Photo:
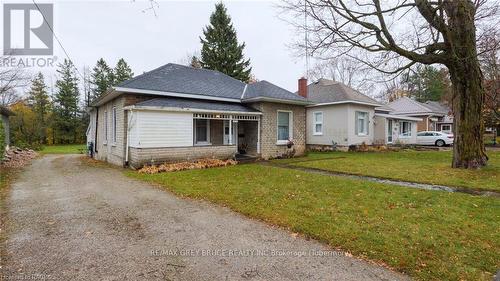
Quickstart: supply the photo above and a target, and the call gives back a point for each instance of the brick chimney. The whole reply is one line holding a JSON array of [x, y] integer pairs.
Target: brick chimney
[[303, 87]]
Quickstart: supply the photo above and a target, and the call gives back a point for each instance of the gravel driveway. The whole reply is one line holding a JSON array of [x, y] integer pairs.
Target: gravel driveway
[[70, 221]]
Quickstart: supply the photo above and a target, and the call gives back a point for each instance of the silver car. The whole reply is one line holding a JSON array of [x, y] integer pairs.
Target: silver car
[[434, 138]]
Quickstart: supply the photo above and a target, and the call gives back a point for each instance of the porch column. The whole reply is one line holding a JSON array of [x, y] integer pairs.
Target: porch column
[[258, 135], [230, 129]]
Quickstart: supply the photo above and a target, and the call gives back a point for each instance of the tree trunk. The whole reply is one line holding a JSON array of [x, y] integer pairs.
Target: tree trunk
[[467, 87]]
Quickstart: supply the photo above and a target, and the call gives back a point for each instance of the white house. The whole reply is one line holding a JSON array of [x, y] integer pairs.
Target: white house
[[343, 116]]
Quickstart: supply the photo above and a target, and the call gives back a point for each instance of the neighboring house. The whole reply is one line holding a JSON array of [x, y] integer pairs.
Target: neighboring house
[[4, 114], [176, 113], [344, 116], [435, 116], [394, 129]]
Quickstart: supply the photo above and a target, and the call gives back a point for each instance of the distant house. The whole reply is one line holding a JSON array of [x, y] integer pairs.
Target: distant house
[[178, 113], [4, 114], [344, 116], [435, 116]]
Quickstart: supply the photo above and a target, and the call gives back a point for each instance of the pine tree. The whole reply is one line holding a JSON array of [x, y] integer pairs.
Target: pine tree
[[39, 100], [220, 49], [102, 78], [66, 100], [122, 72]]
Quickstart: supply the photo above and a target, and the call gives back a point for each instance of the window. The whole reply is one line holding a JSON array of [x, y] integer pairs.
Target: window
[[105, 126], [361, 123], [113, 120], [405, 129], [446, 128], [318, 123], [284, 128], [202, 131]]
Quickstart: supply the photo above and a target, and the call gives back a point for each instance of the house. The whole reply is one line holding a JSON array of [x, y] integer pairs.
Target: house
[[4, 114], [343, 116], [176, 113], [435, 116]]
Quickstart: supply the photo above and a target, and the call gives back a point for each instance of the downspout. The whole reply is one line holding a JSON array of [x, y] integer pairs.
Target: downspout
[[96, 129], [128, 136]]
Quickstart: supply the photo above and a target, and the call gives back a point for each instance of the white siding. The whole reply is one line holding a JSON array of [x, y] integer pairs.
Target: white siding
[[334, 125], [351, 121], [161, 129]]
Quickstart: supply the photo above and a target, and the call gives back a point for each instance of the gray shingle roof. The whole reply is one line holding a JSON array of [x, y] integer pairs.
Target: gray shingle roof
[[268, 90], [196, 104], [187, 80], [406, 105], [177, 78], [327, 91]]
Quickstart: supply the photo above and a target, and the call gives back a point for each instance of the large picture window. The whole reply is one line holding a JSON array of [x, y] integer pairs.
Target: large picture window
[[318, 123], [202, 131], [405, 129], [361, 123], [284, 126]]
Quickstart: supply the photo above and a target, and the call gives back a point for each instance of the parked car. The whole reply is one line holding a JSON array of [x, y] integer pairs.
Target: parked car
[[434, 138]]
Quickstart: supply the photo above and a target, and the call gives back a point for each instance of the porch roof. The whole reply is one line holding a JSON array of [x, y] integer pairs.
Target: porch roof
[[399, 117], [194, 105]]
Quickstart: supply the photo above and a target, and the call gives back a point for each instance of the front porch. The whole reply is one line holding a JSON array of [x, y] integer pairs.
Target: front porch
[[238, 131]]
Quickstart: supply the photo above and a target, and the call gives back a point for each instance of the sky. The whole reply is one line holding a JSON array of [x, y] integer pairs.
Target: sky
[[89, 30]]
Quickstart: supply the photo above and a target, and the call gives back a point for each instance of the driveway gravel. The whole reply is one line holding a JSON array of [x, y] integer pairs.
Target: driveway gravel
[[67, 220]]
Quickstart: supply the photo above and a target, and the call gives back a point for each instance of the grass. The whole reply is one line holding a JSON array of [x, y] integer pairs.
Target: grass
[[430, 235], [431, 167], [63, 149]]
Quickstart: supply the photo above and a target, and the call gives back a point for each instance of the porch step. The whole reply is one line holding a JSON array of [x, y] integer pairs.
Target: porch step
[[245, 158]]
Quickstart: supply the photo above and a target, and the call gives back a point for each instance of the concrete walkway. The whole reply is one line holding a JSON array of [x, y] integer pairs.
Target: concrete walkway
[[69, 221]]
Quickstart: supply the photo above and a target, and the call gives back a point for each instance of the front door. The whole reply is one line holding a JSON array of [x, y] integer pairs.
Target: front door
[[389, 131], [228, 130]]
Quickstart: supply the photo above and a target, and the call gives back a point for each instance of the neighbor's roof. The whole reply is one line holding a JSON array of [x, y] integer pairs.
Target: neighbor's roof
[[406, 105], [5, 111], [181, 103], [264, 89], [384, 108], [398, 117], [188, 82], [326, 91]]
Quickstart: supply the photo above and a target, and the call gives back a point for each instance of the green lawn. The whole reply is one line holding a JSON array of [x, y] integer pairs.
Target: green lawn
[[431, 235], [63, 149], [416, 166]]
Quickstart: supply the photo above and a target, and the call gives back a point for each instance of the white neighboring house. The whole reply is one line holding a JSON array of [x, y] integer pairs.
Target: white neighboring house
[[394, 129], [344, 116]]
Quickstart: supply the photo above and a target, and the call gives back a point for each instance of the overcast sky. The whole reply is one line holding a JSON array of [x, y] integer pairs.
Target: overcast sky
[[89, 30]]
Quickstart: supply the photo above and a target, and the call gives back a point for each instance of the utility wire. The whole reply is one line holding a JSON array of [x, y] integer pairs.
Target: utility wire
[[58, 41]]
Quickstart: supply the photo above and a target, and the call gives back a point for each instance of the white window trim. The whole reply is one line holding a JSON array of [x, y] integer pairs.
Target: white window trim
[[447, 125], [290, 127], [316, 133], [113, 124], [402, 136], [367, 123], [203, 143], [105, 127]]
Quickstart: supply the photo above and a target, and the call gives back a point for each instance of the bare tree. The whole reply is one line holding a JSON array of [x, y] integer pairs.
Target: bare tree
[[12, 80], [394, 35], [346, 70]]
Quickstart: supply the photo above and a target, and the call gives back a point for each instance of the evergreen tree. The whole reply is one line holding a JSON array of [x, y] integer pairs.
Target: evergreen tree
[[102, 78], [220, 49], [122, 72], [428, 84], [39, 100], [66, 99]]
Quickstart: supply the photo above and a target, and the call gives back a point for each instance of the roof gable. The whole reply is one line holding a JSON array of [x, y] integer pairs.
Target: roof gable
[[329, 91]]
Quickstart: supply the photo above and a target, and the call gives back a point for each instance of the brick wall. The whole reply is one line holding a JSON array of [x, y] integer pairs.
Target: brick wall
[[141, 156], [269, 127]]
